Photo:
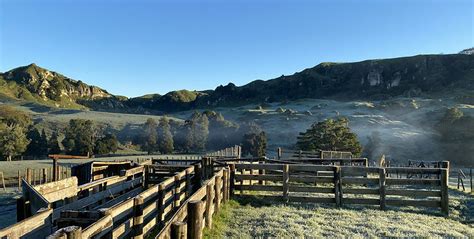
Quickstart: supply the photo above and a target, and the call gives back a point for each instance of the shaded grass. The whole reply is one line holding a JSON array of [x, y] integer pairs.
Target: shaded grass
[[256, 217]]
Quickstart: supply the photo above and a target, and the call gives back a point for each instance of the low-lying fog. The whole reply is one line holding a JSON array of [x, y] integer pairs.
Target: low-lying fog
[[402, 128]]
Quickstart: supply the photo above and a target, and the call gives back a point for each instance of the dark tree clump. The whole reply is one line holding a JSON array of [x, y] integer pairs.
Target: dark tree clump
[[79, 137], [331, 134], [150, 141]]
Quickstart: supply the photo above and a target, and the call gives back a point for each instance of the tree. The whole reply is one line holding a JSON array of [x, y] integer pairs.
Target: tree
[[106, 144], [13, 140], [254, 140], [12, 117], [331, 134], [38, 145], [149, 143], [196, 131], [165, 138], [53, 144], [254, 144], [79, 137]]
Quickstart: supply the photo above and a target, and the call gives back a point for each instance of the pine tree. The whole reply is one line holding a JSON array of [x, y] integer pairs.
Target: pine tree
[[330, 135], [53, 144], [149, 143], [34, 147], [165, 138]]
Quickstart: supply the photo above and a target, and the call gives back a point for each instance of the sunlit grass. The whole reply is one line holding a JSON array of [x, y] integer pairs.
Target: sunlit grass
[[254, 217]]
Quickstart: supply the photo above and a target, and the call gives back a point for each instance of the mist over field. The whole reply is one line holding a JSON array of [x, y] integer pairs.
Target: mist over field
[[402, 128]]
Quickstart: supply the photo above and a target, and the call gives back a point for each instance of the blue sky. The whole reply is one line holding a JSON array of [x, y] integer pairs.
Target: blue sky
[[137, 47]]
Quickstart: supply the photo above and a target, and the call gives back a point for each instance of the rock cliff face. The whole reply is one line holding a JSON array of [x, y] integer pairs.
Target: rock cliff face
[[50, 86], [423, 75]]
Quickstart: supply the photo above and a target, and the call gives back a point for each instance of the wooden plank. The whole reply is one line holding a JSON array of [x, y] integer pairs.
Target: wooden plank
[[36, 226], [372, 191], [98, 196], [348, 170], [272, 188], [132, 171], [310, 168], [99, 228], [259, 177], [417, 181], [413, 170], [353, 180], [311, 179], [416, 203], [312, 199], [413, 192], [259, 166], [365, 201], [310, 189]]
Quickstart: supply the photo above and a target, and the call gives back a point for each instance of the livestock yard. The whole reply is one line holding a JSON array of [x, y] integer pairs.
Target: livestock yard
[[223, 195]]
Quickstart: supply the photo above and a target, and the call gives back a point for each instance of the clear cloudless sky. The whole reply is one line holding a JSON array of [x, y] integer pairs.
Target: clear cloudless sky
[[137, 47]]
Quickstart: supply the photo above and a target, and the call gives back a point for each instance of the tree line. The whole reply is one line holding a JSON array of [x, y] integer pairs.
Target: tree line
[[201, 132]]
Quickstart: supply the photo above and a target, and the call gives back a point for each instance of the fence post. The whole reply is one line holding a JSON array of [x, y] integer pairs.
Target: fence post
[[45, 176], [232, 179], [286, 180], [217, 190], [197, 176], [178, 230], [279, 153], [188, 183], [444, 191], [160, 204], [3, 181], [337, 186], [209, 202], [19, 179], [28, 175], [73, 232], [224, 185], [470, 175], [138, 217], [382, 188], [176, 191], [55, 169], [195, 209]]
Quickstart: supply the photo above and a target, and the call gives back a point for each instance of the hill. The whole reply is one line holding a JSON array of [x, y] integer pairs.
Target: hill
[[35, 84], [416, 76]]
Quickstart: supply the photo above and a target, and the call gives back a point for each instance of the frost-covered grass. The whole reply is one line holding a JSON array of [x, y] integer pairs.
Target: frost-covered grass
[[253, 217]]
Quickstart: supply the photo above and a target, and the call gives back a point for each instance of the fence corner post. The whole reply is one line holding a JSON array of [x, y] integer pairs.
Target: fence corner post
[[444, 191]]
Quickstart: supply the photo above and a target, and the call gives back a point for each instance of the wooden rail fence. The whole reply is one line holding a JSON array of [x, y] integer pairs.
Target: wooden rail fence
[[343, 185]]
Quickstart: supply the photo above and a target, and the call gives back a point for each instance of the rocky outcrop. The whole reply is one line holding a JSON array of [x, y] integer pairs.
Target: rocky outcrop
[[50, 85]]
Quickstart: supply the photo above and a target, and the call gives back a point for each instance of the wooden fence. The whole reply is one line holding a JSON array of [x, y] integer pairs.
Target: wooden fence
[[33, 176], [234, 152], [320, 154], [342, 185]]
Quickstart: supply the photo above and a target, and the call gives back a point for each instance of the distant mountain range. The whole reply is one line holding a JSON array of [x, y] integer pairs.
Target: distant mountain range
[[422, 75]]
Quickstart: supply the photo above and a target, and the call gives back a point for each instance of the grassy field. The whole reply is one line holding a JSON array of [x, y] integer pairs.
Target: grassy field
[[252, 217]]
